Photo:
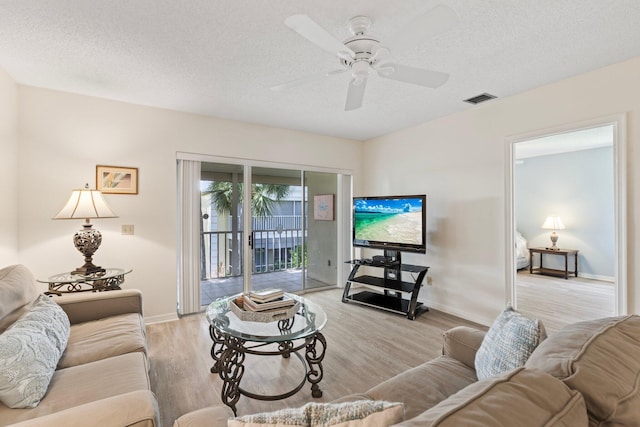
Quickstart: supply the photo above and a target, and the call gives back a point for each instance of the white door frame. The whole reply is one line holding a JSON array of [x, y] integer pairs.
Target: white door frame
[[618, 121]]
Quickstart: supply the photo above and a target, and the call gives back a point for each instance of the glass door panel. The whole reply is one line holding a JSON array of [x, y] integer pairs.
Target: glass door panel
[[278, 228], [321, 237], [282, 245], [221, 248]]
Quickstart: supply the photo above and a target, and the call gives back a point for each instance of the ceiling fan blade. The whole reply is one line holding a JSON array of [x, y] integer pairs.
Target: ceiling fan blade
[[355, 94], [307, 79], [424, 26], [412, 75], [317, 35]]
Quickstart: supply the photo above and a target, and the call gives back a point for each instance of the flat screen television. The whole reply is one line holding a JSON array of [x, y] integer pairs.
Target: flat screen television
[[395, 223]]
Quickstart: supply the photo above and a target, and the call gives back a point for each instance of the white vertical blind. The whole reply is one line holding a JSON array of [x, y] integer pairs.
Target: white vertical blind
[[189, 213]]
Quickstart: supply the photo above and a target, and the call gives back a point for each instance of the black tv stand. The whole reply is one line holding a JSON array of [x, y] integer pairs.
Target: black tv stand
[[390, 283]]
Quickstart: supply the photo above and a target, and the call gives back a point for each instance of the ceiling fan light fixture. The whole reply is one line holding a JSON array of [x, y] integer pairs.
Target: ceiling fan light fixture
[[363, 53], [361, 70]]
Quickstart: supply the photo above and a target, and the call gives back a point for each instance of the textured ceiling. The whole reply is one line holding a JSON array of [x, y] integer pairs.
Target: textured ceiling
[[220, 57]]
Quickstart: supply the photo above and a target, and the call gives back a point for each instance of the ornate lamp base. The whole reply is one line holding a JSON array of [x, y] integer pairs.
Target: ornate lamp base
[[87, 241], [88, 270], [554, 240]]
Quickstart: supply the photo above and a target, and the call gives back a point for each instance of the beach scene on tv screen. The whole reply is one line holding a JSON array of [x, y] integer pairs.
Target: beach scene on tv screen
[[389, 220]]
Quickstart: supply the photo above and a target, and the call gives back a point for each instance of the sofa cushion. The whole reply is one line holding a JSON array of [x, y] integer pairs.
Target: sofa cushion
[[100, 339], [18, 289], [84, 307], [426, 385], [365, 413], [29, 352], [216, 415], [508, 343], [600, 359], [86, 383], [134, 409], [522, 397], [462, 343]]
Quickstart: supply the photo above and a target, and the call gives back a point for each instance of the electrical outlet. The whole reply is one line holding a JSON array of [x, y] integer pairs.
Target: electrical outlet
[[127, 229], [429, 280]]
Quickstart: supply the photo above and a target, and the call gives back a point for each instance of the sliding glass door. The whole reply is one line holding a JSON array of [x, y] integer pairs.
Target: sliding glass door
[[267, 227]]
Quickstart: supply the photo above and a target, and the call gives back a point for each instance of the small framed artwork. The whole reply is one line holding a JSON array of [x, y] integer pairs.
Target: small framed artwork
[[117, 179], [323, 207]]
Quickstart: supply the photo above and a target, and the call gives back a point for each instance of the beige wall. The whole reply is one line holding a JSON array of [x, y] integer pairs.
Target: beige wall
[[64, 136], [459, 161], [8, 170]]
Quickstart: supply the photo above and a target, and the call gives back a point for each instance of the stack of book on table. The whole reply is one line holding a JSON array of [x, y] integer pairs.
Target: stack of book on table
[[268, 299]]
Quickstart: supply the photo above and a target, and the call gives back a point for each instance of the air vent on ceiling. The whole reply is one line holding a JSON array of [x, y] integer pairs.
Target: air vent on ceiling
[[480, 98]]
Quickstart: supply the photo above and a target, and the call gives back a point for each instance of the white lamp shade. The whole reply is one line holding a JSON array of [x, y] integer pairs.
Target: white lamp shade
[[85, 203], [553, 222]]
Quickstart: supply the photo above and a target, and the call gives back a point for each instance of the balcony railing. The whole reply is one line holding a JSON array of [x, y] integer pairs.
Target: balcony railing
[[274, 249], [270, 223]]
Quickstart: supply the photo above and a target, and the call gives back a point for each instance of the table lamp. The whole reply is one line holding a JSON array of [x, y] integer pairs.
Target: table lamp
[[553, 222], [86, 204]]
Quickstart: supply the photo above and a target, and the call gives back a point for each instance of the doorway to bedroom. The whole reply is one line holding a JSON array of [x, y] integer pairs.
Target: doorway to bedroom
[[566, 207]]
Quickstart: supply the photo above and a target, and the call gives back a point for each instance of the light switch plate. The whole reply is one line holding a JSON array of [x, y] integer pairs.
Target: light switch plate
[[127, 229]]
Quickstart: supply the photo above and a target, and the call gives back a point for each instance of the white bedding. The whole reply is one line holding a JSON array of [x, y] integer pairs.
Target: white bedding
[[522, 253]]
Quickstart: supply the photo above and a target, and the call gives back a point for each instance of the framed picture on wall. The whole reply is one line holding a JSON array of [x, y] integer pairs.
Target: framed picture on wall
[[117, 179], [323, 207]]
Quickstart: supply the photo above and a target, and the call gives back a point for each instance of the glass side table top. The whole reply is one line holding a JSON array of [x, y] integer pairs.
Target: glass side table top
[[309, 319], [65, 283], [78, 278]]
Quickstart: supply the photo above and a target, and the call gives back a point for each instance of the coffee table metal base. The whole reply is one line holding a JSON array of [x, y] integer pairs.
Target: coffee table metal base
[[229, 354]]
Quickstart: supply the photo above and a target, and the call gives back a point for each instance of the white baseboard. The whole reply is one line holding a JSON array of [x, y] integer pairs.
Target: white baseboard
[[169, 317], [597, 277], [464, 315]]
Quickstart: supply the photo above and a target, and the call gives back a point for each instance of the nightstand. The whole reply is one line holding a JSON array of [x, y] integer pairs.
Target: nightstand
[[550, 271]]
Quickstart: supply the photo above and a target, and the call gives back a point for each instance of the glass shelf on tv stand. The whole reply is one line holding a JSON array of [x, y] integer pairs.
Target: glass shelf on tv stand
[[391, 284]]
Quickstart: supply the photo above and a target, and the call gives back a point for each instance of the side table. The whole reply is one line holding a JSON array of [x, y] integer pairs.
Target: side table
[[65, 283], [553, 272]]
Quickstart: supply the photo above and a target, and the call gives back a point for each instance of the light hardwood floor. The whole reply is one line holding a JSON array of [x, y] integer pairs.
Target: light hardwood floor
[[559, 302], [364, 347]]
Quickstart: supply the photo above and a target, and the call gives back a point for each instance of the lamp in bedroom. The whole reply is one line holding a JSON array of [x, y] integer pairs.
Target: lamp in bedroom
[[553, 222], [86, 204]]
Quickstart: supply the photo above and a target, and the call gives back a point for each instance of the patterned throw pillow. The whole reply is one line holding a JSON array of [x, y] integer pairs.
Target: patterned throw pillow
[[508, 343], [365, 413], [29, 352]]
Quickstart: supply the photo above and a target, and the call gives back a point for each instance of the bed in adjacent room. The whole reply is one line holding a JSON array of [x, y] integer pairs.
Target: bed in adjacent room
[[522, 253]]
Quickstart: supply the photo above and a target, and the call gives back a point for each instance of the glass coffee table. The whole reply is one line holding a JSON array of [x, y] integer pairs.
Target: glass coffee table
[[234, 338]]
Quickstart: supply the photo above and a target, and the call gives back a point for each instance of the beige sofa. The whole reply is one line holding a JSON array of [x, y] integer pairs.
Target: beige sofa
[[587, 374], [102, 375]]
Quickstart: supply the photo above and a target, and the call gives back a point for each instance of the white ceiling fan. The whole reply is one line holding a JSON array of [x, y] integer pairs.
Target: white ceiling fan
[[364, 55]]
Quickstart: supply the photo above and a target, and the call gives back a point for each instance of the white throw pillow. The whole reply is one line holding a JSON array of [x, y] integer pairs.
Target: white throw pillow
[[508, 343], [29, 352], [364, 413]]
